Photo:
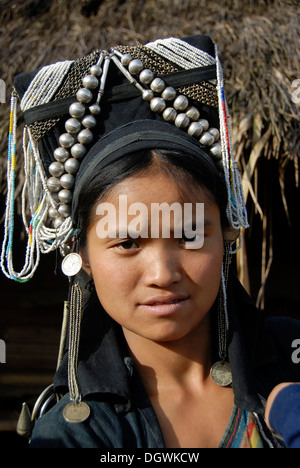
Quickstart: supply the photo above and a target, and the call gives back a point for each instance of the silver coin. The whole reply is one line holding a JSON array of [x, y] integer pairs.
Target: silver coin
[[76, 412], [71, 264], [221, 373]]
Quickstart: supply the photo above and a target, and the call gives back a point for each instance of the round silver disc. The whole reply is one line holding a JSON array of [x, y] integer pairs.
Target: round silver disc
[[76, 412], [71, 264], [221, 373]]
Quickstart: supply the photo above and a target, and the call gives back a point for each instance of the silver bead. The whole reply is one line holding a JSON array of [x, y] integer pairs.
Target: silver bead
[[58, 222], [66, 140], [52, 212], [65, 196], [95, 109], [72, 125], [182, 121], [126, 59], [84, 95], [90, 82], [85, 136], [78, 151], [67, 181], [169, 114], [76, 110], [215, 133], [56, 169], [216, 149], [181, 102], [169, 94], [193, 113], [95, 70], [206, 139], [64, 210], [89, 121], [61, 154], [157, 104], [146, 76], [53, 184], [147, 95], [195, 129], [204, 124], [157, 85], [135, 66], [72, 166]]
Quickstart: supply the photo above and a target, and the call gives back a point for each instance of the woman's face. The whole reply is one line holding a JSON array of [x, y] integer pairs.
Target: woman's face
[[155, 287]]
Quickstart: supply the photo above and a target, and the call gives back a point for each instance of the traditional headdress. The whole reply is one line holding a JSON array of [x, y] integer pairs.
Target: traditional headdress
[[81, 115]]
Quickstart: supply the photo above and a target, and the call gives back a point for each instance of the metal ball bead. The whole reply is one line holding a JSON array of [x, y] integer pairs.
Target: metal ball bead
[[64, 210], [77, 110], [53, 213], [126, 58], [181, 103], [204, 123], [216, 149], [53, 184], [90, 82], [66, 140], [95, 109], [169, 114], [182, 121], [147, 95], [67, 181], [65, 196], [61, 154], [157, 85], [57, 222], [89, 121], [72, 125], [206, 139], [78, 151], [193, 113], [169, 94], [146, 76], [72, 166], [157, 104], [95, 70], [85, 136], [84, 95], [195, 129], [215, 133], [56, 169], [135, 66]]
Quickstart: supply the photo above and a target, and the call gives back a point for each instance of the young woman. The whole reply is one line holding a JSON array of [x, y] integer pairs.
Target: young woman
[[165, 348]]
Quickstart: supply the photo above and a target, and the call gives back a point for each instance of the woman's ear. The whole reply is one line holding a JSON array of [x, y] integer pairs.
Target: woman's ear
[[85, 261], [230, 234]]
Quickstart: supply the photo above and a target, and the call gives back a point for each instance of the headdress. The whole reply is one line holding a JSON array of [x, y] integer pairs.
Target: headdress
[[81, 115]]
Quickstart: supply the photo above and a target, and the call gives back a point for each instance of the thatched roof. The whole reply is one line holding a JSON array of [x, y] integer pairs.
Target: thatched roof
[[258, 42]]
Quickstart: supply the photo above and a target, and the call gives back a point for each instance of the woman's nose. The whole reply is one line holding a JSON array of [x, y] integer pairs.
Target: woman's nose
[[163, 268]]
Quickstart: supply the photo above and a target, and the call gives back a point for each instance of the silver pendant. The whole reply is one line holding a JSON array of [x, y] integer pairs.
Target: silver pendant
[[71, 264], [76, 412], [221, 373]]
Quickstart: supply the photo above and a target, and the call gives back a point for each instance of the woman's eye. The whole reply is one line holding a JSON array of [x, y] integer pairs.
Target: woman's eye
[[127, 245], [195, 241]]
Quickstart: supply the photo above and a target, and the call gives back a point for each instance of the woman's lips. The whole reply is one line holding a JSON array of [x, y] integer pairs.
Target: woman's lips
[[164, 305]]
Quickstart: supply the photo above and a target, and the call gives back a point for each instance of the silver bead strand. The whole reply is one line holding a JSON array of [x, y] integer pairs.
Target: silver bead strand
[[158, 94], [73, 143]]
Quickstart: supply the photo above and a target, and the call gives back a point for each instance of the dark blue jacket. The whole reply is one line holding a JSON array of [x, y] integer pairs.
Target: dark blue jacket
[[260, 353]]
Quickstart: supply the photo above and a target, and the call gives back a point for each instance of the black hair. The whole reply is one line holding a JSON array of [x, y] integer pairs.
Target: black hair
[[185, 169]]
